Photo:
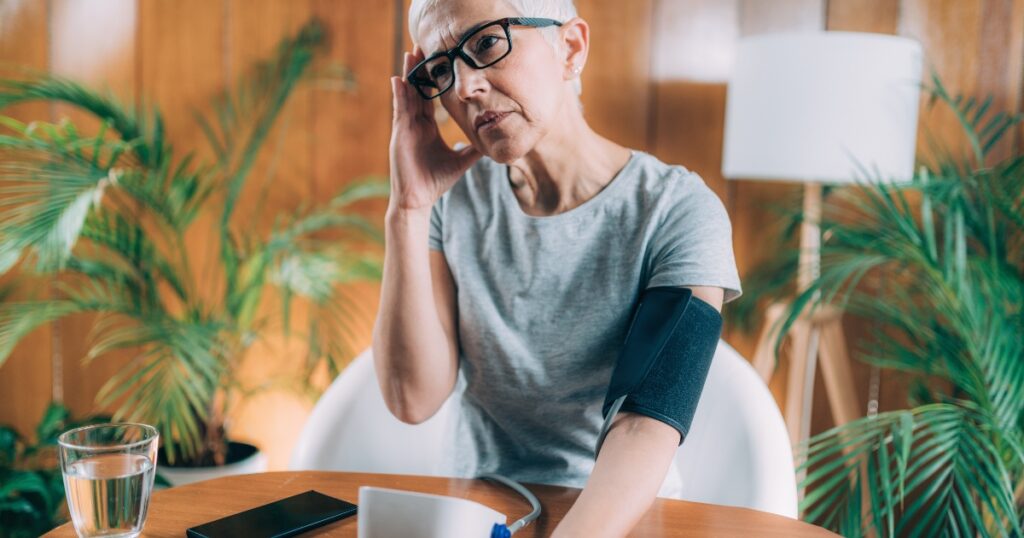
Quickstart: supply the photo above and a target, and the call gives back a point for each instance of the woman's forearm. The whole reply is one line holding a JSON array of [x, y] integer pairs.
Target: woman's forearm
[[628, 473], [413, 355]]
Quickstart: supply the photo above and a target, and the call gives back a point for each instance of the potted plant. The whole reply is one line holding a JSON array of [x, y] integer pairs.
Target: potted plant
[[938, 263], [116, 215]]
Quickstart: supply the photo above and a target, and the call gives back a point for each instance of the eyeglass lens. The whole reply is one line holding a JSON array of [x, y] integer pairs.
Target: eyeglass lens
[[484, 47]]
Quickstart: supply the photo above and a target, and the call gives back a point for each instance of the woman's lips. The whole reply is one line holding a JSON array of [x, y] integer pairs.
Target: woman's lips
[[492, 122]]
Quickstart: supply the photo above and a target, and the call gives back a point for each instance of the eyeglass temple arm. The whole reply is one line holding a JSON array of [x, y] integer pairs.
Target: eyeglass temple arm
[[533, 21]]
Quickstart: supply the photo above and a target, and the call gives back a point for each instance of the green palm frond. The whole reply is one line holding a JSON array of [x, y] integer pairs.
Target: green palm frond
[[171, 382], [936, 470], [146, 133], [21, 318], [120, 249], [49, 190], [368, 189], [312, 275], [175, 195], [982, 127]]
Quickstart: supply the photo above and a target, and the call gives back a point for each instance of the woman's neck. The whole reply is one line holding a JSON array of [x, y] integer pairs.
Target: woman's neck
[[568, 167]]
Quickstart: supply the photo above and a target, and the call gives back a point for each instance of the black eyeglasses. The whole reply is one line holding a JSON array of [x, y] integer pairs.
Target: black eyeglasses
[[484, 47]]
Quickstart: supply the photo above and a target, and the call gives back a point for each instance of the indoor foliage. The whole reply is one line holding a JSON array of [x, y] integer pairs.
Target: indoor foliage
[[939, 264], [118, 220], [31, 486]]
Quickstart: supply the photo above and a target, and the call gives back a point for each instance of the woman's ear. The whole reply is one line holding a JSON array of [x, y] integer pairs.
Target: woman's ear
[[575, 36]]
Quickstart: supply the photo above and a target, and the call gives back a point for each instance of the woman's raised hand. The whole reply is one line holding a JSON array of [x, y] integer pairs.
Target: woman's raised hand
[[423, 167]]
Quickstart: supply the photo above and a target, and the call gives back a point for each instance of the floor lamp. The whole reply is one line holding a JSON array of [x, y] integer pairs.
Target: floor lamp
[[819, 108]]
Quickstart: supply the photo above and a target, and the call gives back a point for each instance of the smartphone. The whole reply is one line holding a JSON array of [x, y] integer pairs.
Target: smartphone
[[286, 517]]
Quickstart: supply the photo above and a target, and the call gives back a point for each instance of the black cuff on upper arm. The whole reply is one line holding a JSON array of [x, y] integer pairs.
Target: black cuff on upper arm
[[666, 357]]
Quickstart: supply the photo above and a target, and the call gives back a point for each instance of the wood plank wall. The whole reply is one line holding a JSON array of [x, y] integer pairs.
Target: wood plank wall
[[655, 81]]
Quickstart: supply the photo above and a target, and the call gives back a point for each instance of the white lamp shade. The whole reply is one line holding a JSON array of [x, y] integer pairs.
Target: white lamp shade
[[822, 107]]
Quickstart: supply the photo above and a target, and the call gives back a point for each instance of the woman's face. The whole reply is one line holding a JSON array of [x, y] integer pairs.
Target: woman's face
[[526, 89]]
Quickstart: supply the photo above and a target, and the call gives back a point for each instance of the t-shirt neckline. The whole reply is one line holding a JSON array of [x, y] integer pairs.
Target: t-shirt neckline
[[594, 201]]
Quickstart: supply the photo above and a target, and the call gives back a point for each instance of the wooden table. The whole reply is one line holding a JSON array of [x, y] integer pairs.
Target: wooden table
[[171, 511]]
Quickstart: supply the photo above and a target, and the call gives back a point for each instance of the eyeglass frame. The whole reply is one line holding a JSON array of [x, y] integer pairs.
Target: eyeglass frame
[[457, 52]]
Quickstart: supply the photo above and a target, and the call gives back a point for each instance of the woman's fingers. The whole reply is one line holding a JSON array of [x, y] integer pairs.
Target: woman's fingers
[[426, 106], [406, 100], [406, 65], [397, 98]]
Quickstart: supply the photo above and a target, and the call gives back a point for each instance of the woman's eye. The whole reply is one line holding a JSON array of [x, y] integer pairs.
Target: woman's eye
[[486, 42], [439, 71]]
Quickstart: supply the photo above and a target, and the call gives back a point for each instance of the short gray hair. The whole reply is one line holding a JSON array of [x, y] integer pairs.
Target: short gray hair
[[560, 10]]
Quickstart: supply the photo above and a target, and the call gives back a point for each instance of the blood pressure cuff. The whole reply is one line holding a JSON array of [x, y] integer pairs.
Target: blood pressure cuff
[[665, 360]]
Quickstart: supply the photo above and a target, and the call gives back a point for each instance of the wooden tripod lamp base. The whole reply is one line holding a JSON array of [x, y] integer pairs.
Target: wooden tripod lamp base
[[814, 336], [813, 339]]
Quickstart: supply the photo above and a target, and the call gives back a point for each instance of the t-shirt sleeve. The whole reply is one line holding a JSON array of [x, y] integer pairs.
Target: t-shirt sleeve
[[435, 238], [692, 245]]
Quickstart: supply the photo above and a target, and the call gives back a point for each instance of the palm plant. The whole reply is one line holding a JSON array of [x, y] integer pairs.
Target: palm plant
[[110, 219], [938, 262]]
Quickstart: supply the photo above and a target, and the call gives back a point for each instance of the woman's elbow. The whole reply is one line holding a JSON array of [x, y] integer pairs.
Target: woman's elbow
[[411, 394], [409, 412], [411, 404]]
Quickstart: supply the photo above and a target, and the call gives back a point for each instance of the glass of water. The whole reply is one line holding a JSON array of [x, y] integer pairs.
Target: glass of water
[[108, 476]]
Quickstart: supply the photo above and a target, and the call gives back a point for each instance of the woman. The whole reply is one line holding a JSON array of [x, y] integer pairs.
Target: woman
[[513, 265]]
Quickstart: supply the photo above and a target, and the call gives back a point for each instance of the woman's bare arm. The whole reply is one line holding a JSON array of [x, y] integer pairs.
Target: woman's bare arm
[[629, 471], [414, 338]]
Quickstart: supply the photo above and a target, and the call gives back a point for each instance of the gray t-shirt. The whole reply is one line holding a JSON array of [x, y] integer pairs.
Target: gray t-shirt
[[544, 304]]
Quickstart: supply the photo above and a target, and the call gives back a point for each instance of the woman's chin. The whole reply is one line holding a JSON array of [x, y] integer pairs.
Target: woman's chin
[[504, 150]]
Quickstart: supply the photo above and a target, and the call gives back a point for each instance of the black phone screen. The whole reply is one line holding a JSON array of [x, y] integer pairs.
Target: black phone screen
[[286, 517]]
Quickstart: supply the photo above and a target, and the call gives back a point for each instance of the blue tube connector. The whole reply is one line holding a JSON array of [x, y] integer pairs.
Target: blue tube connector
[[500, 531]]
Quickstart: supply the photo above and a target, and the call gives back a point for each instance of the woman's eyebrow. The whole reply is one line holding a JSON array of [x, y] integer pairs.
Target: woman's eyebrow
[[462, 35]]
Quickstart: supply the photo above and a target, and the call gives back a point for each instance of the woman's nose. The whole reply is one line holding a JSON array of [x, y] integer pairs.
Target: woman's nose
[[468, 81]]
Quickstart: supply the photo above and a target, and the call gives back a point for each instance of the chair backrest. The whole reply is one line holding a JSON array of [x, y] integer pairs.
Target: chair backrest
[[737, 454]]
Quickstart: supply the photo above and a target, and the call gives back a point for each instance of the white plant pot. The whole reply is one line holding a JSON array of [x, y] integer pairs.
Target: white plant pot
[[179, 476]]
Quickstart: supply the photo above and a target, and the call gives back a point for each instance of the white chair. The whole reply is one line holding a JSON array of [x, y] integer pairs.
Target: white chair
[[737, 454]]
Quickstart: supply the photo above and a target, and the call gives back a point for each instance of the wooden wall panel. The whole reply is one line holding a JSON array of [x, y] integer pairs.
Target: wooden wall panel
[[352, 128], [182, 57], [999, 58], [878, 16], [957, 22], [25, 379], [759, 17], [108, 65], [985, 60], [108, 62], [357, 123], [254, 29], [693, 48], [272, 418], [616, 79]]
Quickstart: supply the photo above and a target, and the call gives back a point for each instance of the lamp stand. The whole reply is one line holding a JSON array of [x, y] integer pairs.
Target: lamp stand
[[814, 337]]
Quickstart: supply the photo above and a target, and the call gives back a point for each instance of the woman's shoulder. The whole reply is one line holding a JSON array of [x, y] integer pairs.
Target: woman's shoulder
[[670, 183]]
